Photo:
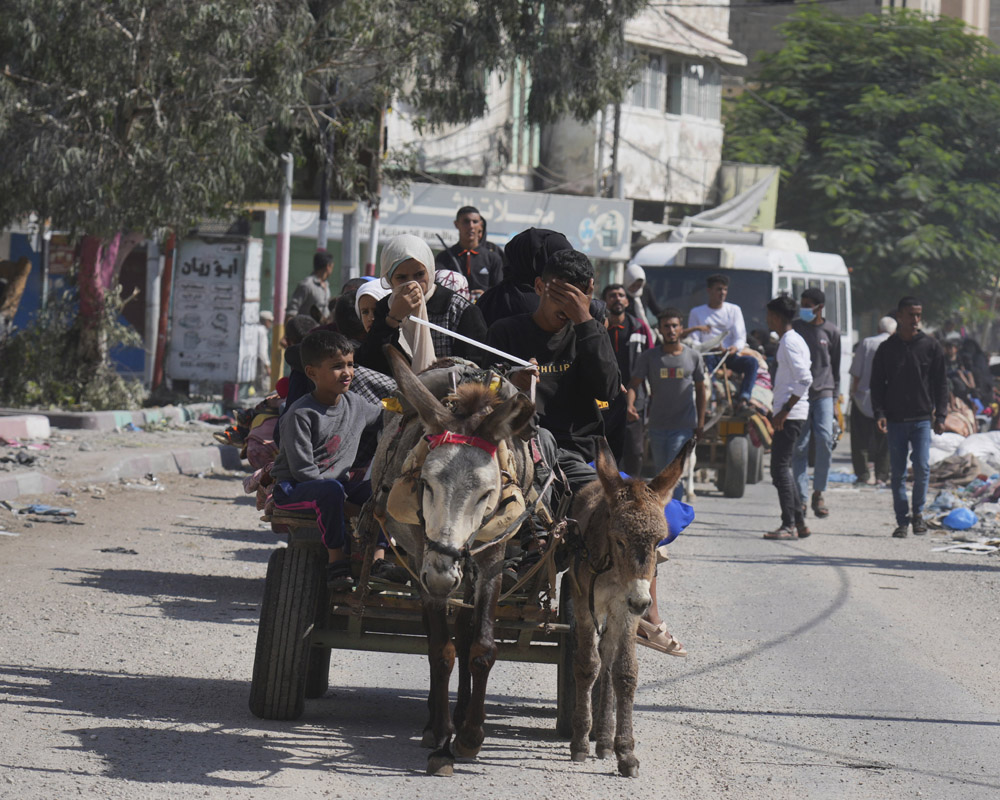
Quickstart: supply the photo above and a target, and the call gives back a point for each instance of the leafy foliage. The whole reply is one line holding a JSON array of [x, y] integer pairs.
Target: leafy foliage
[[887, 129], [121, 115], [41, 367], [133, 115]]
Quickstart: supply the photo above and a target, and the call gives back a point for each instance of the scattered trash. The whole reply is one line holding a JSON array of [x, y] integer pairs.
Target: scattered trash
[[65, 492], [24, 458], [44, 510], [9, 533], [96, 491], [26, 445], [123, 550], [86, 447], [184, 516], [980, 547], [131, 427], [945, 501], [840, 476], [961, 519], [149, 483], [56, 520]]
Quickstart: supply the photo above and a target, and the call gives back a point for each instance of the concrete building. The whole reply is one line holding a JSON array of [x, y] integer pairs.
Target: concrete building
[[754, 23], [669, 142]]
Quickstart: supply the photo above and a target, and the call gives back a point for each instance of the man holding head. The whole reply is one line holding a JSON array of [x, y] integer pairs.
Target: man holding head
[[481, 266], [312, 296], [576, 365], [909, 389]]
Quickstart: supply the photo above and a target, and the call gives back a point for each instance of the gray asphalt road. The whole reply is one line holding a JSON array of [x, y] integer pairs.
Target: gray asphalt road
[[848, 665]]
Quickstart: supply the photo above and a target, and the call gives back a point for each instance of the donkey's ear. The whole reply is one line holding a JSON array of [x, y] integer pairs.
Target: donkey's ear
[[507, 419], [432, 412], [607, 469], [664, 483]]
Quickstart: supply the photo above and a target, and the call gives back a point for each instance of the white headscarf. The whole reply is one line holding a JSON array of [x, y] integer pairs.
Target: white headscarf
[[633, 273], [371, 289], [415, 339]]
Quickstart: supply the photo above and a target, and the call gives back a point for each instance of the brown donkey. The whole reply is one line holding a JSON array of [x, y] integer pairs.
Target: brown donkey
[[621, 521]]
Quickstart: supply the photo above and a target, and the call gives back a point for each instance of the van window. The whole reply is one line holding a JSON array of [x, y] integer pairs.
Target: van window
[[845, 323], [798, 287], [783, 284], [833, 312]]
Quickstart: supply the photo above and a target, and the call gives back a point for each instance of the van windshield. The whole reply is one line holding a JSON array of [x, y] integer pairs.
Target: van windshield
[[684, 288]]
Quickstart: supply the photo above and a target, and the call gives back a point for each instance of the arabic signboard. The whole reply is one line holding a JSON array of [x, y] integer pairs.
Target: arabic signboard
[[597, 226], [215, 310]]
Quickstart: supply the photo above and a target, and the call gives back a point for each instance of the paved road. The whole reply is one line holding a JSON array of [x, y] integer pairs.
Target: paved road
[[848, 665]]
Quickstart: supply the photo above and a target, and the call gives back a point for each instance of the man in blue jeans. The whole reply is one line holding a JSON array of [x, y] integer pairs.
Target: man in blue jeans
[[823, 339], [676, 377], [909, 390]]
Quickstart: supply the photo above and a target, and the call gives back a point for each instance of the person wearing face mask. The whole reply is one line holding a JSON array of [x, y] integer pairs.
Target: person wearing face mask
[[823, 339]]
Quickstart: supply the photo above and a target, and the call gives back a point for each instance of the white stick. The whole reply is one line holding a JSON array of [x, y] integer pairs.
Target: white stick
[[513, 359]]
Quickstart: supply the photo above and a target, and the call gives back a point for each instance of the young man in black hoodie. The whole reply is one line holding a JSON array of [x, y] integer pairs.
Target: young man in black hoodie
[[909, 389], [577, 366]]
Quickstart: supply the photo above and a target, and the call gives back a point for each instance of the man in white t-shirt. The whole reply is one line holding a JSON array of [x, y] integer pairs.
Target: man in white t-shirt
[[717, 317], [792, 379]]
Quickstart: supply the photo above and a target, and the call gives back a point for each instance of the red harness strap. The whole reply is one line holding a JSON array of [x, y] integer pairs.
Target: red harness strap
[[448, 437]]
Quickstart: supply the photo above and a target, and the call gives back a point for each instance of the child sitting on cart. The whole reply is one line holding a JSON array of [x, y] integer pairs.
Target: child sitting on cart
[[320, 434]]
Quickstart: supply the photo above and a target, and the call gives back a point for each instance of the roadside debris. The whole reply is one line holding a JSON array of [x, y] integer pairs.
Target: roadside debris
[[125, 551], [148, 483]]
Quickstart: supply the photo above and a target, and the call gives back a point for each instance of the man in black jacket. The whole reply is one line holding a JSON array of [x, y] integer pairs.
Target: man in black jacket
[[577, 367], [909, 390], [481, 265]]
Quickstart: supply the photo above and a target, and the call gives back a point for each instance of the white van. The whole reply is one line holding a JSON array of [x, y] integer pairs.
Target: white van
[[759, 265]]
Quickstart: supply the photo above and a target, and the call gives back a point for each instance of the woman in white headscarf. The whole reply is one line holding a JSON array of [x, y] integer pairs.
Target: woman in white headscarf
[[406, 269], [366, 299]]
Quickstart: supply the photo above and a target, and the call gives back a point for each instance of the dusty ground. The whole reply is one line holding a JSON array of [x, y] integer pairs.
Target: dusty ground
[[848, 665]]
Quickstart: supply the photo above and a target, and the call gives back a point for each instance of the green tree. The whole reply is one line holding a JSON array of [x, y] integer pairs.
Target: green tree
[[887, 130], [119, 118]]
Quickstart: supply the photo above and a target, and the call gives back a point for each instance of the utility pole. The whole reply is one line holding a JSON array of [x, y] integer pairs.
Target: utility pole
[[327, 174], [281, 272], [376, 186]]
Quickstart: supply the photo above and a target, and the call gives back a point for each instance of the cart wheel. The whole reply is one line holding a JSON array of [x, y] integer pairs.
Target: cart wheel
[[755, 463], [291, 592], [734, 481], [318, 670], [566, 683]]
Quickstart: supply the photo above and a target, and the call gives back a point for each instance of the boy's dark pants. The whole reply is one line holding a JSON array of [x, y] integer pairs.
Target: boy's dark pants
[[782, 450], [326, 499]]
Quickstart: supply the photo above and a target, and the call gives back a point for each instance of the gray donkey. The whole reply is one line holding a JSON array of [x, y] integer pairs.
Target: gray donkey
[[459, 489], [621, 521]]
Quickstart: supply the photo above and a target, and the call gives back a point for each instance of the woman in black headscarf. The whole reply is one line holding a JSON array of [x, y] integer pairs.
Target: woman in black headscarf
[[526, 255]]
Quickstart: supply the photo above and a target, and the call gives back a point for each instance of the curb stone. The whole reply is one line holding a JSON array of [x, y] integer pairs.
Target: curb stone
[[111, 420], [186, 462]]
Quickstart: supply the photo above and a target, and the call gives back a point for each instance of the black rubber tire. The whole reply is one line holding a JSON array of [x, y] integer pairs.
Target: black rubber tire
[[734, 480], [755, 463], [566, 683], [318, 669], [291, 592]]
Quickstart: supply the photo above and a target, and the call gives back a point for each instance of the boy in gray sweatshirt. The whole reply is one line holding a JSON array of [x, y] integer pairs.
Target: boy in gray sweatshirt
[[320, 433]]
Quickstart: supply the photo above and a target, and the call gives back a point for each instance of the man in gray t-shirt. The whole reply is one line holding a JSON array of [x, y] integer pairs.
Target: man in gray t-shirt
[[676, 376]]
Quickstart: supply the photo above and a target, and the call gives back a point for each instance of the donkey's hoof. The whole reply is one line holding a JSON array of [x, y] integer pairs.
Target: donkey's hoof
[[441, 766], [605, 752], [579, 756], [629, 767], [428, 739], [465, 751]]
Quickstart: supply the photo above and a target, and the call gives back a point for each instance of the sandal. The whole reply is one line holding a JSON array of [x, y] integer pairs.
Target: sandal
[[783, 532], [657, 637]]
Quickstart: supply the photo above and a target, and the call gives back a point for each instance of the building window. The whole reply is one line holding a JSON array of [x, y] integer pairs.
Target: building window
[[676, 86], [647, 92]]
